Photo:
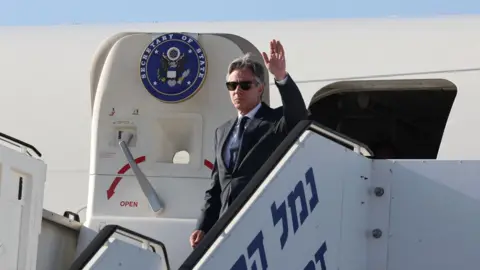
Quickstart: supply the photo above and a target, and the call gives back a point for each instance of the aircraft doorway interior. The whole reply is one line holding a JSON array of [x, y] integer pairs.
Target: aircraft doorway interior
[[396, 119]]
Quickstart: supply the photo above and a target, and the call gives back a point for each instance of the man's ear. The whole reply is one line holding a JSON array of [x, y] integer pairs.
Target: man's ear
[[262, 88]]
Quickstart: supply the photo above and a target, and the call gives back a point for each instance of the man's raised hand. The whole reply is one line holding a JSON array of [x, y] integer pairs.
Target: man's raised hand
[[275, 62]]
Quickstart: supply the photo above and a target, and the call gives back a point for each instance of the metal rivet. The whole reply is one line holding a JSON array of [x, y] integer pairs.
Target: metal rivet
[[377, 233], [379, 191]]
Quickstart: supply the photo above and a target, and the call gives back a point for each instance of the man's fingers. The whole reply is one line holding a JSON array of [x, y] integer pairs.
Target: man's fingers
[[197, 237], [194, 238], [273, 45], [265, 58], [280, 49]]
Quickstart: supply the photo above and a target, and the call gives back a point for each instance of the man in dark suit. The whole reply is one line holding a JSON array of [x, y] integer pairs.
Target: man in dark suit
[[244, 143]]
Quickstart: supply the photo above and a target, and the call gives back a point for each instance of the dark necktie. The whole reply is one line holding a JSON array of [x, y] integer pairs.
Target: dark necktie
[[237, 141]]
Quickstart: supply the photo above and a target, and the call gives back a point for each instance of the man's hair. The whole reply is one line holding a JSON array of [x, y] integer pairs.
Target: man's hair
[[246, 62]]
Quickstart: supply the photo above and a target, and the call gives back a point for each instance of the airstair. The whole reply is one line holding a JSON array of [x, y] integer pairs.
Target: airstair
[[320, 202]]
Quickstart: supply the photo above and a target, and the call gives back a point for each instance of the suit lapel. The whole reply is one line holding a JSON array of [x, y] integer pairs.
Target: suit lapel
[[226, 132], [248, 134]]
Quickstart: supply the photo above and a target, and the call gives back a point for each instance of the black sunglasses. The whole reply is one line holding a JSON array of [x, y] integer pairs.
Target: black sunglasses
[[245, 85]]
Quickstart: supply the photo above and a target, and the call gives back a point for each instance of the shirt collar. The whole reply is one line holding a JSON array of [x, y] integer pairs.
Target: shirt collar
[[251, 113]]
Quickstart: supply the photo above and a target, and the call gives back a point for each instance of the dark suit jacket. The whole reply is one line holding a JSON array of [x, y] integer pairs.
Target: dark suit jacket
[[262, 136]]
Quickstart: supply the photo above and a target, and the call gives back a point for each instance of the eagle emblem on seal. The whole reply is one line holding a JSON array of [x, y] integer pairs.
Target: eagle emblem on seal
[[172, 70]]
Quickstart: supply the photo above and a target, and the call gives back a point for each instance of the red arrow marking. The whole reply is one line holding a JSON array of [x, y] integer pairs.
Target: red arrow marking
[[116, 181], [126, 167], [208, 164]]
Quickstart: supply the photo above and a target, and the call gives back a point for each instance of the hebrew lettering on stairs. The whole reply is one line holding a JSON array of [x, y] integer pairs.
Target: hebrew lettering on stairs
[[301, 201], [298, 193], [277, 215], [310, 179], [256, 245], [298, 217], [319, 258]]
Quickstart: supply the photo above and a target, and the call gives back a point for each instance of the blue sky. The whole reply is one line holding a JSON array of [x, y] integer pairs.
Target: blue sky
[[49, 12]]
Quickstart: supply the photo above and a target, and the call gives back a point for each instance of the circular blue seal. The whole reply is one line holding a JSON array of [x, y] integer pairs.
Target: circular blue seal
[[173, 67]]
